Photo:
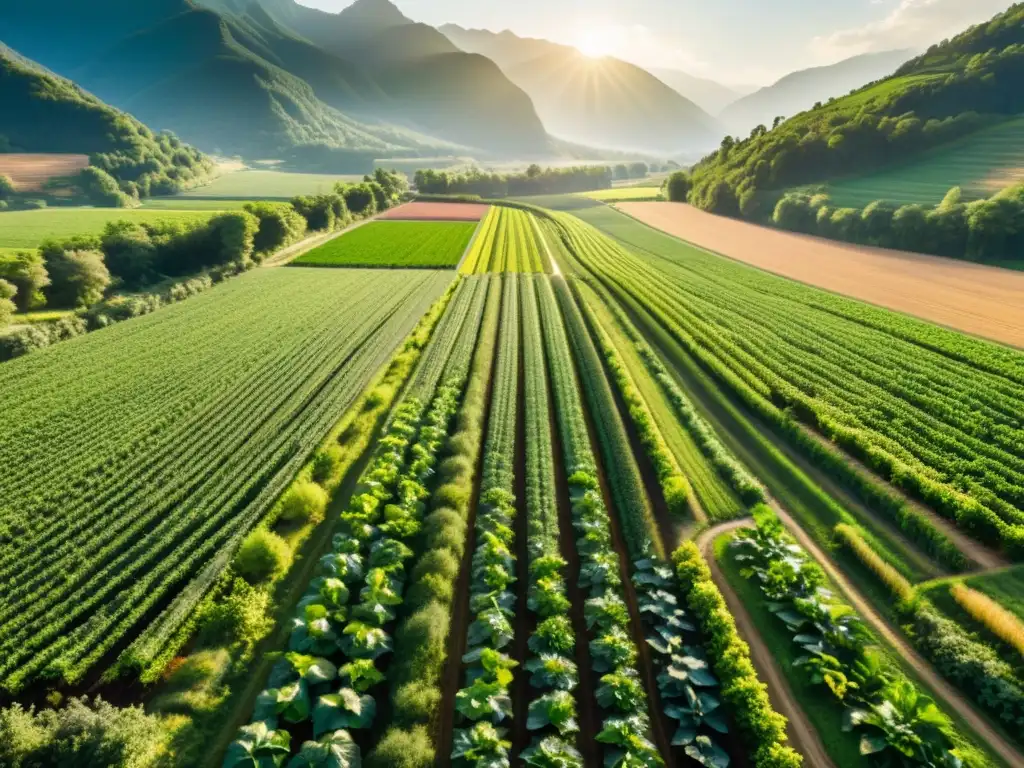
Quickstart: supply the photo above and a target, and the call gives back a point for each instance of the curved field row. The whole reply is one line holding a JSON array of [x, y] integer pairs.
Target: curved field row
[[140, 454], [943, 421]]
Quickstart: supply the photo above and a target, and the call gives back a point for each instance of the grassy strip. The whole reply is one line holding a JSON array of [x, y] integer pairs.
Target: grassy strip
[[422, 638], [674, 485], [763, 730], [820, 708], [983, 609]]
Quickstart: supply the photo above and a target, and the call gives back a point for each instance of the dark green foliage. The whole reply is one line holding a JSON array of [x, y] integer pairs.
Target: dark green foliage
[[323, 213], [27, 273], [99, 188], [7, 307], [537, 181], [279, 225], [678, 187], [361, 199], [83, 734], [6, 185], [402, 748], [78, 275], [262, 556], [971, 665]]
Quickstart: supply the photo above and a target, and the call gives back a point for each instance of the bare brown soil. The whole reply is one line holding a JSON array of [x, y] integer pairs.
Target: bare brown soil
[[437, 212], [30, 171], [977, 299]]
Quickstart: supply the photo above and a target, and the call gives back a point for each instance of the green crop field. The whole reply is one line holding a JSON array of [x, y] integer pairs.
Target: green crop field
[[190, 421], [636, 194], [396, 245], [267, 185], [509, 241], [980, 164], [27, 229]]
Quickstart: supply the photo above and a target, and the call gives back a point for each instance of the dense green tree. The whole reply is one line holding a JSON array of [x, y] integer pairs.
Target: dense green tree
[[678, 187], [129, 253], [101, 189], [536, 181], [322, 212], [360, 199], [7, 306], [78, 277], [279, 225], [638, 170], [27, 273], [6, 187]]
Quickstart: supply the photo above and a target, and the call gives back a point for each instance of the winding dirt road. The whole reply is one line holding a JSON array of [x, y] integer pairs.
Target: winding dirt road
[[942, 691], [802, 735]]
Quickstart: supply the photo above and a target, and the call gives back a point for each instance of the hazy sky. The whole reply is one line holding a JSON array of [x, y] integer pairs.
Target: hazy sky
[[739, 41]]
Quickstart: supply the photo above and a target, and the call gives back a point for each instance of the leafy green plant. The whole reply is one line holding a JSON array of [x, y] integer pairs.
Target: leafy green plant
[[342, 710], [335, 750], [552, 672], [482, 745], [484, 700], [700, 709], [553, 635], [557, 709], [360, 675], [258, 747], [621, 691], [552, 752]]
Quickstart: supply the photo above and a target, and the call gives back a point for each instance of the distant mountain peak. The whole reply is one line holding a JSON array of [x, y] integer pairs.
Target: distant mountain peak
[[376, 13]]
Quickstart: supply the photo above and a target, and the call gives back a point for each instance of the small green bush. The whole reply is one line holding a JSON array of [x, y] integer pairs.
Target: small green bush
[[440, 562], [451, 494], [262, 556], [445, 529], [306, 502], [403, 749], [416, 702], [326, 463], [239, 620], [83, 735]]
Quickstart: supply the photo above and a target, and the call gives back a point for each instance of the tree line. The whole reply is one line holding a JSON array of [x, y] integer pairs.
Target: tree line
[[84, 272], [533, 181]]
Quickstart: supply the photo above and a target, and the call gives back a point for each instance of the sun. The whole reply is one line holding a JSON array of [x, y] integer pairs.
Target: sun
[[595, 42]]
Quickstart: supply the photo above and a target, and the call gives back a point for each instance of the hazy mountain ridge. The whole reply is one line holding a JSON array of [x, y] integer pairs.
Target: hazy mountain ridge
[[241, 77], [606, 102], [709, 95], [801, 90]]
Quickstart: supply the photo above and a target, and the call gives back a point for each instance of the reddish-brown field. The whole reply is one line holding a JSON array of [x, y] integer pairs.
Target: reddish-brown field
[[985, 301], [437, 212], [30, 171]]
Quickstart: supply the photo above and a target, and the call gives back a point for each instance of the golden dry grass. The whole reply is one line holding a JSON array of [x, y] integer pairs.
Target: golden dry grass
[[886, 573], [983, 609]]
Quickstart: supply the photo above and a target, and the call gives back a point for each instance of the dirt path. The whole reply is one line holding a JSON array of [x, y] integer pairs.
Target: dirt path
[[802, 734], [968, 297], [945, 694]]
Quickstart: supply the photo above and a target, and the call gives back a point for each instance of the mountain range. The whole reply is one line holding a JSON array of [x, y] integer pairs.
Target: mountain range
[[279, 78], [799, 91], [604, 102]]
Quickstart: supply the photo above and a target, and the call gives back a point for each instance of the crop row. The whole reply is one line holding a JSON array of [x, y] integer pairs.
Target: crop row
[[553, 672], [790, 361], [738, 477], [131, 527], [485, 702], [894, 719], [687, 689], [614, 655], [508, 242], [422, 638], [339, 641]]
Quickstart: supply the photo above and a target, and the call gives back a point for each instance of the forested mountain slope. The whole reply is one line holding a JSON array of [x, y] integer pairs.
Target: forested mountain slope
[[800, 91], [45, 113], [606, 102], [957, 87], [239, 78]]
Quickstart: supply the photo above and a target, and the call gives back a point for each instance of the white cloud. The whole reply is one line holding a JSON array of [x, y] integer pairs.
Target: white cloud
[[911, 24]]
